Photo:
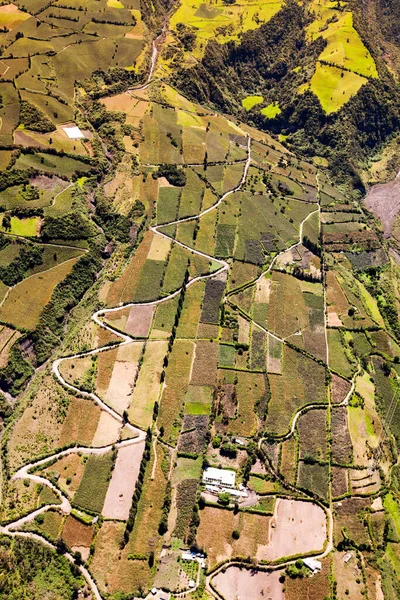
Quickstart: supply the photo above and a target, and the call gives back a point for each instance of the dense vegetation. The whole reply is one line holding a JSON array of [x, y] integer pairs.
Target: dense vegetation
[[30, 256], [31, 118], [274, 60], [73, 226], [30, 570], [17, 372], [66, 295]]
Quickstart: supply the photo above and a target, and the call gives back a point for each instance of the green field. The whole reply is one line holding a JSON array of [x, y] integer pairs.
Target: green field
[[93, 488], [251, 101], [25, 227], [271, 111]]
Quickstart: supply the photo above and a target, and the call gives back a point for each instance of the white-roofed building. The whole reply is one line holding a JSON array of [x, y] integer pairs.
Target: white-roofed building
[[74, 133], [236, 493], [188, 556], [313, 564], [222, 477]]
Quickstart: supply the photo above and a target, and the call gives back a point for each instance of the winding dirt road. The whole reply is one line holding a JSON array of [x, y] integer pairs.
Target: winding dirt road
[[24, 472], [12, 528]]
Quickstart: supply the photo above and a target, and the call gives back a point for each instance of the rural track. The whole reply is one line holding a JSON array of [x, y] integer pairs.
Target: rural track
[[24, 472]]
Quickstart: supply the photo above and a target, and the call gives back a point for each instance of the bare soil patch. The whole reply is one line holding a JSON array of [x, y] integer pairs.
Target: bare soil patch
[[121, 385], [383, 200], [139, 320], [107, 432], [159, 249], [249, 585], [333, 319], [300, 527], [123, 481], [123, 377], [346, 575], [121, 102], [23, 139], [76, 533]]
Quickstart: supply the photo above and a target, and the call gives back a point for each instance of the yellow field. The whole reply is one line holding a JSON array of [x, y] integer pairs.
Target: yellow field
[[251, 101], [147, 387], [271, 111], [159, 248], [334, 87], [27, 299], [221, 21], [344, 50], [25, 227], [11, 16]]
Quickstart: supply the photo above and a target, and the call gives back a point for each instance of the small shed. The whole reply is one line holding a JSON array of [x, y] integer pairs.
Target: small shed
[[74, 133], [313, 564]]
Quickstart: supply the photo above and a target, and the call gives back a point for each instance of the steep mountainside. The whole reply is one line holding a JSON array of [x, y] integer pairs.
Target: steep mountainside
[[318, 77], [199, 314]]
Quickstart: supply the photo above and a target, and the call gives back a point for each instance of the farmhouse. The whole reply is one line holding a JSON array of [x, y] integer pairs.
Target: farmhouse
[[313, 564], [236, 493], [223, 477]]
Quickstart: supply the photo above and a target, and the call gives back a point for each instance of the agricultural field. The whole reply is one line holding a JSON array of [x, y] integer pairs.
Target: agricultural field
[[180, 291], [220, 22], [345, 64]]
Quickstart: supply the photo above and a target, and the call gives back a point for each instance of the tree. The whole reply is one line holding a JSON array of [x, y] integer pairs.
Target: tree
[[216, 443], [61, 546], [7, 222], [151, 559], [224, 498]]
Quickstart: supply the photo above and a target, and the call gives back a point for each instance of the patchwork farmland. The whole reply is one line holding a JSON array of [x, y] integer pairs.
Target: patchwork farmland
[[199, 340]]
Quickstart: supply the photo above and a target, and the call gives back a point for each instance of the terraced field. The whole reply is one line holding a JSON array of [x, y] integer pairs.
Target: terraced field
[[181, 291]]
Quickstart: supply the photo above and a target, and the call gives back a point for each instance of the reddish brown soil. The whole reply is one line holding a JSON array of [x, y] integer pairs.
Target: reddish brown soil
[[76, 533], [340, 389]]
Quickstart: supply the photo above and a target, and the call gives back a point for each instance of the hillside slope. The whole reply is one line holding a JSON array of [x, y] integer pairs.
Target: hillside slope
[[190, 301], [319, 74]]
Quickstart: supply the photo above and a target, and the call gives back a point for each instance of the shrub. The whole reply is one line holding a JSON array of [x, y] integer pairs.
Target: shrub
[[235, 534], [175, 175], [224, 498], [34, 119]]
